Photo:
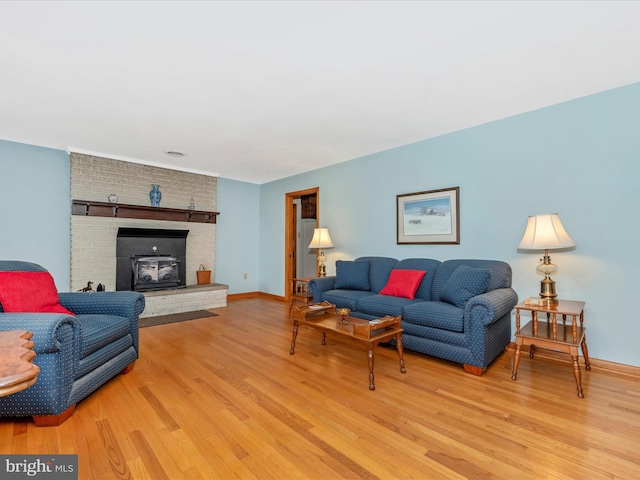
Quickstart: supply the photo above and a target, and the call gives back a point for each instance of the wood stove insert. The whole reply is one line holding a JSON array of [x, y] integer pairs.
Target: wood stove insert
[[150, 259]]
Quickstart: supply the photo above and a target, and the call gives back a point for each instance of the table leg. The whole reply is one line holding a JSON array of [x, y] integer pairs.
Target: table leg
[[400, 349], [576, 370], [516, 359], [293, 340], [585, 353], [370, 359]]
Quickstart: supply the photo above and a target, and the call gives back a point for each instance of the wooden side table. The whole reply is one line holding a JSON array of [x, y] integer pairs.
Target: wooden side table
[[565, 338], [17, 370], [300, 292]]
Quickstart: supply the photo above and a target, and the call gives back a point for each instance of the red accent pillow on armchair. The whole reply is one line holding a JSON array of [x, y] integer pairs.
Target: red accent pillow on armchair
[[403, 283], [29, 292]]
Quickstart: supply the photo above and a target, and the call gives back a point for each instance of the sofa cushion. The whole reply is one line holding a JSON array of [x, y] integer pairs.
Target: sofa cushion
[[379, 270], [403, 283], [429, 265], [499, 273], [381, 305], [99, 331], [440, 315], [352, 275], [29, 292], [345, 298], [465, 282]]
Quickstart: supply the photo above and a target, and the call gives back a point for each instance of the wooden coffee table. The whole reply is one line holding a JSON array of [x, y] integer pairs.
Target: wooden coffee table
[[322, 317]]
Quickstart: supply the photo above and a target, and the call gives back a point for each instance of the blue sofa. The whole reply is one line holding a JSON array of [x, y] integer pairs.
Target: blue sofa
[[461, 311], [76, 354]]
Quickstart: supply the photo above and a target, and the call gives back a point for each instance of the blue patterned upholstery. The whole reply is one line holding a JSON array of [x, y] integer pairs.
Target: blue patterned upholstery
[[499, 274], [428, 265], [472, 328], [465, 282], [76, 355], [352, 275], [381, 305], [379, 271], [437, 315]]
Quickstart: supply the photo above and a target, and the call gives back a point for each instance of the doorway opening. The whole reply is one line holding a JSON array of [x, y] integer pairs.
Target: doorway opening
[[302, 214]]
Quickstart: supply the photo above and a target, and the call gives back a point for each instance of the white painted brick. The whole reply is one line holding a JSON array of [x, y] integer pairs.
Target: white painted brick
[[93, 239], [200, 298]]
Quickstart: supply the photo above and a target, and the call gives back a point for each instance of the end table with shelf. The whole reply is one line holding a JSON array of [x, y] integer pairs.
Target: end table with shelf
[[300, 292], [550, 335]]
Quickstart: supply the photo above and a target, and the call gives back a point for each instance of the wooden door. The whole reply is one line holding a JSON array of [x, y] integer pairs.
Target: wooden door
[[290, 234]]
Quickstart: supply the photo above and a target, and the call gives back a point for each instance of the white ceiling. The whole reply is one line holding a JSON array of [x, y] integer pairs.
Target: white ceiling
[[257, 91]]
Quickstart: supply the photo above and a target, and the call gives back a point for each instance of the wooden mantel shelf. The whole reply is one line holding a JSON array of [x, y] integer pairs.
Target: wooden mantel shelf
[[104, 209]]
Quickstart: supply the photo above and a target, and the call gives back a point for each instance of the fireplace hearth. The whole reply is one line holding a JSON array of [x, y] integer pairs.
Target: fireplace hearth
[[150, 259]]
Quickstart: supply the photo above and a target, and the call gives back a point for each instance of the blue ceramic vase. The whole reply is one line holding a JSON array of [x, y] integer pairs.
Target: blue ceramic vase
[[155, 195]]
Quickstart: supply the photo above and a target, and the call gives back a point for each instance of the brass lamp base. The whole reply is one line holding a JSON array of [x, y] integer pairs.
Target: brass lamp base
[[322, 270], [548, 291], [547, 286]]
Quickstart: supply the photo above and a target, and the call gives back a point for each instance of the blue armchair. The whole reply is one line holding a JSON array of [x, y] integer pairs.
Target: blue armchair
[[76, 354]]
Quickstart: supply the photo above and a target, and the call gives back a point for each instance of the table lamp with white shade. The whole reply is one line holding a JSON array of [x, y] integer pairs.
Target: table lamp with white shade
[[321, 240], [545, 232]]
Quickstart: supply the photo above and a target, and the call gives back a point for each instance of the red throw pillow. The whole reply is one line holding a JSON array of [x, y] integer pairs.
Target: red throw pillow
[[29, 292], [403, 283]]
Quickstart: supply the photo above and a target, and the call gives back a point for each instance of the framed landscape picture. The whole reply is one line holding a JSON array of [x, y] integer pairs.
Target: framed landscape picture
[[431, 217]]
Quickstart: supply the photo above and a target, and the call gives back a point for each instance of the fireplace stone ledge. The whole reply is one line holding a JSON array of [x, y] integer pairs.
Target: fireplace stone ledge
[[184, 299]]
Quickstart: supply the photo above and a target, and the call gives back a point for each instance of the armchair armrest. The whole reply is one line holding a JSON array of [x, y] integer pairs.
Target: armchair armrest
[[56, 339], [44, 326], [123, 304], [317, 286]]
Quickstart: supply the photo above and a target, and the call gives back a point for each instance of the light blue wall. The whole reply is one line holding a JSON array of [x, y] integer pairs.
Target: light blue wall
[[237, 235], [577, 159], [35, 208], [35, 217]]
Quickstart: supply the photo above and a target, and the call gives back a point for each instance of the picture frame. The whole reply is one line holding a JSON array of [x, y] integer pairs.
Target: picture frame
[[430, 217]]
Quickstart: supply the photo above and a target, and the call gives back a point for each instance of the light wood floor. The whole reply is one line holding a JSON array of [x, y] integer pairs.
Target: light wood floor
[[222, 398]]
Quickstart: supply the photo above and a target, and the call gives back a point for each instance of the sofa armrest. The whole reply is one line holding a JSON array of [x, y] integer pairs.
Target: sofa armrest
[[487, 324], [122, 304], [491, 306], [317, 286]]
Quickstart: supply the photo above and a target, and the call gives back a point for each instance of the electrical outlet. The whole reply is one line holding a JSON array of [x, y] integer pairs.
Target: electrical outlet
[[245, 276]]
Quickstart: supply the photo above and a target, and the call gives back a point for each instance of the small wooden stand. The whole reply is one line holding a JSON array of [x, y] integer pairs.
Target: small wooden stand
[[300, 292]]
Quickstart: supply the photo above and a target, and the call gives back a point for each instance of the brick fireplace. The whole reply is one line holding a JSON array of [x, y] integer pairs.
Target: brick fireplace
[[94, 238]]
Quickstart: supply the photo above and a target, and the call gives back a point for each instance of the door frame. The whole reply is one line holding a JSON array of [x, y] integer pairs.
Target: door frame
[[290, 234]]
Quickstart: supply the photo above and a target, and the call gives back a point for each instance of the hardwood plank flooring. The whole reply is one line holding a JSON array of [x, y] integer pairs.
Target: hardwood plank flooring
[[221, 398]]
